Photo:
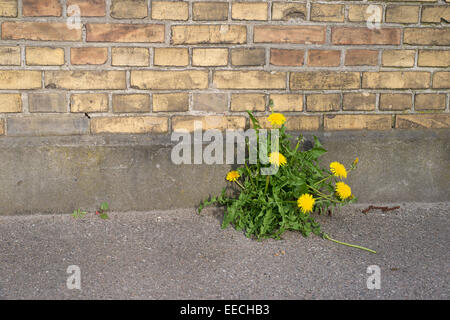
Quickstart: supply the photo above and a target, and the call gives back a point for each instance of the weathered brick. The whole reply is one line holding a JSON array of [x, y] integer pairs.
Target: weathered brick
[[434, 58], [131, 102], [324, 58], [327, 12], [197, 34], [85, 80], [45, 31], [357, 122], [436, 14], [361, 57], [289, 11], [363, 101], [169, 102], [295, 123], [10, 56], [429, 101], [441, 80], [249, 80], [133, 57], [398, 58], [171, 57], [208, 122], [89, 102], [143, 124], [287, 102], [326, 80], [395, 101], [402, 14], [364, 13], [88, 55], [210, 11], [248, 56], [36, 8], [363, 35], [170, 10], [323, 102], [169, 80], [122, 32], [427, 36], [209, 57], [249, 11], [44, 56], [8, 8], [129, 9], [89, 8], [290, 34], [47, 102], [20, 79], [213, 102], [396, 80], [286, 57], [421, 121], [248, 101], [10, 102], [52, 125]]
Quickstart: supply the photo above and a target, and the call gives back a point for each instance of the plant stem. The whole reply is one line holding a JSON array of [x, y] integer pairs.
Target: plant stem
[[239, 184], [323, 179], [326, 236], [267, 183]]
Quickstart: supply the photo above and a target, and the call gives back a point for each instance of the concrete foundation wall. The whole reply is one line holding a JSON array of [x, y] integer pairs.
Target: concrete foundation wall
[[60, 174]]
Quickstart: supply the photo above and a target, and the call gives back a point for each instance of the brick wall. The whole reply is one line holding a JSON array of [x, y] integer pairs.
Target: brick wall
[[138, 66]]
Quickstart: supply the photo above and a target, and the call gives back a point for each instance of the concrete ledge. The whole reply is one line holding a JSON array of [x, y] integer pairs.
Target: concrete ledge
[[134, 172]]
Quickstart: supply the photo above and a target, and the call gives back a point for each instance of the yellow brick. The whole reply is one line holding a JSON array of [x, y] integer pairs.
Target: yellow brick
[[130, 9], [364, 101], [134, 57], [434, 58], [357, 122], [441, 80], [426, 36], [362, 13], [248, 101], [249, 11], [171, 57], [10, 56], [208, 122], [423, 121], [10, 102], [402, 14], [8, 8], [145, 124], [209, 57], [287, 102], [396, 80], [170, 10], [131, 102], [435, 14], [20, 79], [210, 11], [44, 56], [170, 102], [89, 102], [288, 10], [326, 80], [398, 58], [249, 80], [429, 101], [169, 80], [327, 12], [197, 34], [323, 102], [395, 101], [85, 80], [294, 123]]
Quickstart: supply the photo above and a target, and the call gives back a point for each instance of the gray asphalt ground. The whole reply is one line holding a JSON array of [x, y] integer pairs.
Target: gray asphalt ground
[[182, 255]]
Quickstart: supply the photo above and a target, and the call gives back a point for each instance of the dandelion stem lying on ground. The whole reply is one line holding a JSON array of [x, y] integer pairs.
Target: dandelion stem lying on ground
[[327, 237]]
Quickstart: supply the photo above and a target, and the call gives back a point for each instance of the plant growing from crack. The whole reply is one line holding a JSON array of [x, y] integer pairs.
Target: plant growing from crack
[[80, 214]]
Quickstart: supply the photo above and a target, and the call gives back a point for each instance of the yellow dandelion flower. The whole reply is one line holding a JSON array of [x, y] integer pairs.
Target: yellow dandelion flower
[[277, 159], [233, 176], [343, 190], [276, 119], [355, 162], [338, 170], [306, 202]]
